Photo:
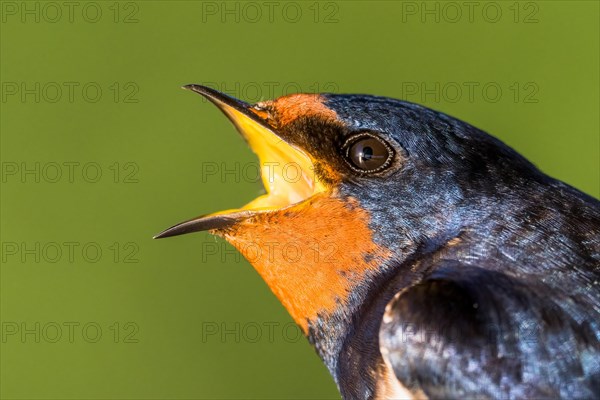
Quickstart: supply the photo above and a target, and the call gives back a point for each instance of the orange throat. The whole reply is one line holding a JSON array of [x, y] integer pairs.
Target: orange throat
[[310, 254]]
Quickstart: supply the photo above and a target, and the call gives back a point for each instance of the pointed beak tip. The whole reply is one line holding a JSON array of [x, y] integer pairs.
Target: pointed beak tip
[[193, 88], [169, 232], [200, 89], [159, 235], [221, 100]]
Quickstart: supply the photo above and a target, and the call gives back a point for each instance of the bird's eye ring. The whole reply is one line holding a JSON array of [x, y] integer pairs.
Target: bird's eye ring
[[366, 153]]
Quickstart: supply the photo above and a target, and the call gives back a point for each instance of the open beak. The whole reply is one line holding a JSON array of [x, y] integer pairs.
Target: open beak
[[287, 172]]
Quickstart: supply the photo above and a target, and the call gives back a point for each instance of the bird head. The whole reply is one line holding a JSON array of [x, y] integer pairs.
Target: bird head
[[354, 184]]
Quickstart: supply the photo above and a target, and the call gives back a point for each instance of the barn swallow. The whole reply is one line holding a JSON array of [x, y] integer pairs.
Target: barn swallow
[[422, 257]]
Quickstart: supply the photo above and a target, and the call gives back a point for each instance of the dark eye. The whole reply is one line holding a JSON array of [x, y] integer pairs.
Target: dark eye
[[367, 153]]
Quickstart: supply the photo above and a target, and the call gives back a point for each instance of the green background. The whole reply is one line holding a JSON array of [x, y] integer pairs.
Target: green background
[[176, 291]]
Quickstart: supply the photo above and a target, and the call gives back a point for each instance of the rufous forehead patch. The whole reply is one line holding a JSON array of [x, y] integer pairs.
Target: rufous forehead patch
[[288, 108]]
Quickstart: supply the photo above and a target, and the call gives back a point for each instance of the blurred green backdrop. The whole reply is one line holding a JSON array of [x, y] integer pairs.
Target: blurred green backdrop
[[101, 149]]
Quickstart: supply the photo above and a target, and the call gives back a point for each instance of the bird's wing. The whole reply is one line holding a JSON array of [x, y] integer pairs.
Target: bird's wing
[[468, 332]]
